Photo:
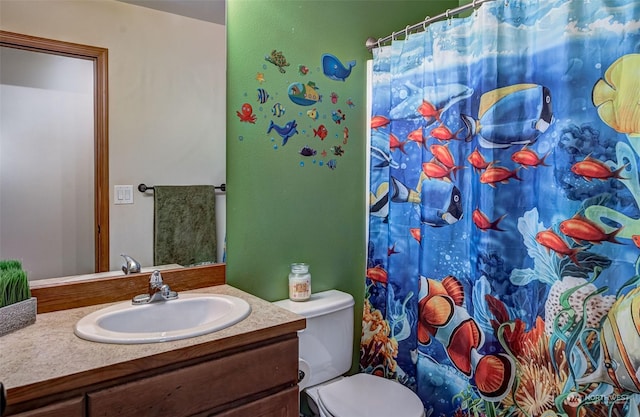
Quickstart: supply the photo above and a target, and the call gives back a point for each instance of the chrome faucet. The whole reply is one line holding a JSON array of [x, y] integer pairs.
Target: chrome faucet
[[158, 291], [131, 266]]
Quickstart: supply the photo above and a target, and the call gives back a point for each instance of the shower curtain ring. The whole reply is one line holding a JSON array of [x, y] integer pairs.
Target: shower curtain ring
[[406, 32], [424, 23], [447, 15]]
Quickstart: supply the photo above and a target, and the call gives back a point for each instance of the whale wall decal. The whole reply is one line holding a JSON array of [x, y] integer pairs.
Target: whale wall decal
[[334, 69]]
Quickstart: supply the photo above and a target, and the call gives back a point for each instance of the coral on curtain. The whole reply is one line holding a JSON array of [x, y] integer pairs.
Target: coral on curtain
[[504, 246]]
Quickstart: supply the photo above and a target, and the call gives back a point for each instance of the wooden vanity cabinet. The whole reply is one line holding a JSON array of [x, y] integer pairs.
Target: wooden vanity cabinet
[[258, 380], [247, 370], [244, 377], [282, 404], [69, 408]]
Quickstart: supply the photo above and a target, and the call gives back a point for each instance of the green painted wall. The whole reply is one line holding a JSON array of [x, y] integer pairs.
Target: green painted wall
[[279, 211]]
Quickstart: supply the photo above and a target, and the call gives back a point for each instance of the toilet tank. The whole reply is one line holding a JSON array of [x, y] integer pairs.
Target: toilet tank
[[326, 344]]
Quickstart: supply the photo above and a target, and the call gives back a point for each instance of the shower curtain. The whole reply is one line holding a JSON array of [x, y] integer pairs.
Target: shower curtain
[[504, 222]]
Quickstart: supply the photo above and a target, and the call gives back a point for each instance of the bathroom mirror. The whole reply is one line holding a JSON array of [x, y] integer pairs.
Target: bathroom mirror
[[167, 108], [54, 158]]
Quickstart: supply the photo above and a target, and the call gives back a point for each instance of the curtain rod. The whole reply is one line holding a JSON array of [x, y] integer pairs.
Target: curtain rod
[[372, 43]]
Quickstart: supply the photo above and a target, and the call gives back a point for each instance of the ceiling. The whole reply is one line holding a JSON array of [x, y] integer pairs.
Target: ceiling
[[207, 10]]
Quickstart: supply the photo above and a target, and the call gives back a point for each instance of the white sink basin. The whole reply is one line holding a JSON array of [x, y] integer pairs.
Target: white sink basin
[[187, 316]]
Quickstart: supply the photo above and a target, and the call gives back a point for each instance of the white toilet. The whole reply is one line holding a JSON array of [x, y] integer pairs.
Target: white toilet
[[326, 347]]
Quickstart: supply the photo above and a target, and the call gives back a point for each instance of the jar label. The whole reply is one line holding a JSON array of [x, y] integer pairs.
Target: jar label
[[300, 290]]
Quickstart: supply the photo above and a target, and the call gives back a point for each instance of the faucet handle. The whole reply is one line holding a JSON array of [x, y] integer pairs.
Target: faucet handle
[[156, 276], [155, 282], [158, 291], [167, 293], [131, 266]]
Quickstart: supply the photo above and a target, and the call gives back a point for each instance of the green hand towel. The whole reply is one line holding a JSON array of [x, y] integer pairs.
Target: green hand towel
[[184, 224]]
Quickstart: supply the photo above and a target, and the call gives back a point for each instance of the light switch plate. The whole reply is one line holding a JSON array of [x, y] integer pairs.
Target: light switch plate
[[123, 194]]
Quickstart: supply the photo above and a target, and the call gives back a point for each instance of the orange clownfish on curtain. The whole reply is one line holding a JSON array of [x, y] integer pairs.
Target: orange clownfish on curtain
[[442, 317]]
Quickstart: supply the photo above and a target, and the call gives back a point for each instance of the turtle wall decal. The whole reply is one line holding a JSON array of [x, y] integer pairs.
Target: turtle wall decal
[[277, 59]]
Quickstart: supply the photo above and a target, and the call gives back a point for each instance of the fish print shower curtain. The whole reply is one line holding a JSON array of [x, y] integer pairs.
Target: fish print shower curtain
[[504, 246]]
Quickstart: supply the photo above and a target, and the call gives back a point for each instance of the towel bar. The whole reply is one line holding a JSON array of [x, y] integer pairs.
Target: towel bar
[[143, 187]]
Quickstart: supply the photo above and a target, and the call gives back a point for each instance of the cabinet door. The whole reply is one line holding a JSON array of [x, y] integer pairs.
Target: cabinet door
[[205, 386], [69, 408], [282, 404]]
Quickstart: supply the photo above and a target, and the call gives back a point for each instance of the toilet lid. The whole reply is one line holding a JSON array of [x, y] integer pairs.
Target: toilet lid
[[364, 395]]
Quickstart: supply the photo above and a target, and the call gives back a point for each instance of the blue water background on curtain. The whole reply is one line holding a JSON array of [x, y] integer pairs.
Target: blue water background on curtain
[[504, 220]]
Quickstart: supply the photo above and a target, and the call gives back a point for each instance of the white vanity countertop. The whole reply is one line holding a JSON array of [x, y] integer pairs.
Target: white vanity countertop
[[46, 356]]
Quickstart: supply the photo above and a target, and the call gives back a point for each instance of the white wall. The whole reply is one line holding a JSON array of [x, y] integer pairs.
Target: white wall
[[166, 101]]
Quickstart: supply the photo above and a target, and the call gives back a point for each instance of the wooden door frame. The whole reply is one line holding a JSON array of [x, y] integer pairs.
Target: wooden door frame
[[101, 125]]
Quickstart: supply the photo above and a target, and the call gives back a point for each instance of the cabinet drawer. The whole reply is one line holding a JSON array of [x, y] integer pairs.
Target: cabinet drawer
[[282, 404], [69, 408], [201, 387]]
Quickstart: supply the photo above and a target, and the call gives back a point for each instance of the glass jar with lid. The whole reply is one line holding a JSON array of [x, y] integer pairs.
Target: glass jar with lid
[[299, 282]]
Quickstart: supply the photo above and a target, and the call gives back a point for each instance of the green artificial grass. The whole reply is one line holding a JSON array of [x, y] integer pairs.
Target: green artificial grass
[[14, 285], [10, 264]]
